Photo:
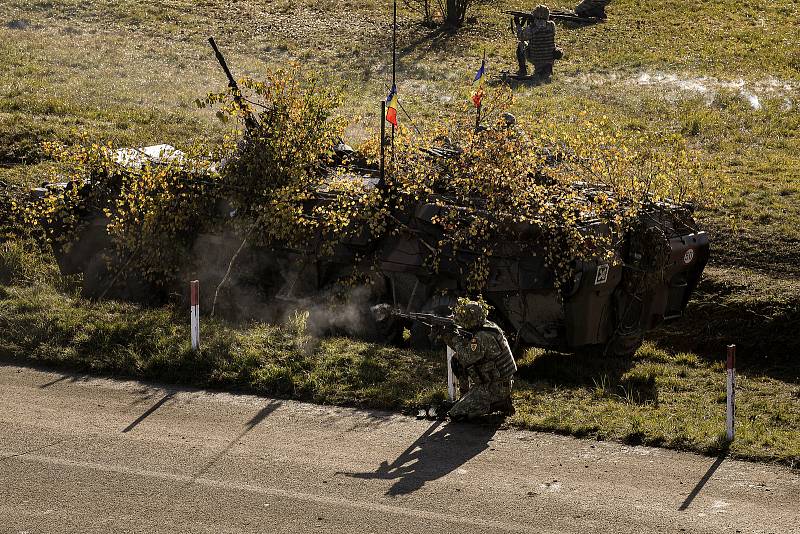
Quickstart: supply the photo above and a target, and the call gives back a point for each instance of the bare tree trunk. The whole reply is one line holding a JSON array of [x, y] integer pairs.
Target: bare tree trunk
[[455, 12], [423, 7], [228, 272]]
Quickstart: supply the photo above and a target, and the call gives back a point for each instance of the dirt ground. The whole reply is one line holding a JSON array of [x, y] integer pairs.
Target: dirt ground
[[91, 455]]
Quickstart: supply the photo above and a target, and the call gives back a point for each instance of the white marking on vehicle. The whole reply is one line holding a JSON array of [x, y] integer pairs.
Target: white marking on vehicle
[[602, 274]]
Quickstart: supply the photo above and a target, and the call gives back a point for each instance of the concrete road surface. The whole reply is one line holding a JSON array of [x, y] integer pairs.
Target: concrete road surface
[[80, 454]]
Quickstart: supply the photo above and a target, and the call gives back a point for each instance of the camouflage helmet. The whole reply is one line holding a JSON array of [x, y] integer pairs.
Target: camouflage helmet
[[469, 314], [541, 12]]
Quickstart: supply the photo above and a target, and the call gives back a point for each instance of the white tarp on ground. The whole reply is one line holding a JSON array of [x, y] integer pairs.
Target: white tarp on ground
[[137, 157]]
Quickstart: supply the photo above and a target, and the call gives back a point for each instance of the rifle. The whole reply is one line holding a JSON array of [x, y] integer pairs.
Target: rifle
[[249, 120], [383, 312], [521, 17]]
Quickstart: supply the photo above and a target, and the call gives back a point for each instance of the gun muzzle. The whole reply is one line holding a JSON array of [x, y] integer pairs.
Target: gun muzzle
[[381, 312]]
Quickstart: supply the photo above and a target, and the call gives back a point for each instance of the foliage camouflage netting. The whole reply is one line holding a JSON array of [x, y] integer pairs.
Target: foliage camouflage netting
[[497, 184], [12, 206]]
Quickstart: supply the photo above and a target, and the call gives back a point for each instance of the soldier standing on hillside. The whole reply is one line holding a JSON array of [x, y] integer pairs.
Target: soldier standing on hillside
[[537, 43], [592, 8], [483, 363]]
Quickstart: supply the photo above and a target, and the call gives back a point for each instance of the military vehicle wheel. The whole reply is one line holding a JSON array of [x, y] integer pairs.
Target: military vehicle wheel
[[96, 276], [420, 336], [389, 332]]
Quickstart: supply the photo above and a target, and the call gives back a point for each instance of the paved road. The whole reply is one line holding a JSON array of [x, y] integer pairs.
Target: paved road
[[80, 454]]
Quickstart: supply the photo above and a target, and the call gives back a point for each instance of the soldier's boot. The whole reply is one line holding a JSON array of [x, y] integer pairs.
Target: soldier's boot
[[521, 60], [473, 404], [544, 71], [506, 407]]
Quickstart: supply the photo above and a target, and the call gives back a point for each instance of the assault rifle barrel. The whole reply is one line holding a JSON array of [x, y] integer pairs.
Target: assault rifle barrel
[[520, 14], [429, 319], [382, 312], [554, 15]]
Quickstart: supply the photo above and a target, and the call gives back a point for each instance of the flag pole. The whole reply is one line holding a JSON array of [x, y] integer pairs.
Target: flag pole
[[394, 41], [480, 102], [394, 58], [383, 143]]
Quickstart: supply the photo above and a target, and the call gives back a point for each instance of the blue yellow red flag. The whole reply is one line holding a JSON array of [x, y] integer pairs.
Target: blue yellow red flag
[[477, 83], [391, 106]]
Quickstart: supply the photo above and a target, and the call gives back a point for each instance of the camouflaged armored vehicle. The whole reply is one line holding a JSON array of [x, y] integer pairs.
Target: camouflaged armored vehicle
[[608, 304]]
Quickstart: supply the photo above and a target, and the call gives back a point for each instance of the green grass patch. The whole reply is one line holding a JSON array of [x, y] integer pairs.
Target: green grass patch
[[43, 326], [659, 399]]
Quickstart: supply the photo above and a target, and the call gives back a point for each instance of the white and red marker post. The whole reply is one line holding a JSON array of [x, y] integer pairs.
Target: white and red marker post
[[731, 371], [451, 383], [195, 313]]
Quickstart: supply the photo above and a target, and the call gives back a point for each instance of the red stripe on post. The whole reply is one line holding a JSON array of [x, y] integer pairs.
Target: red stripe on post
[[731, 356], [195, 290]]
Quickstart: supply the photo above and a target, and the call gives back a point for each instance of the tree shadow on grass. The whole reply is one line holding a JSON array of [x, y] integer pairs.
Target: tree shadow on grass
[[577, 368], [440, 450], [581, 368], [432, 39]]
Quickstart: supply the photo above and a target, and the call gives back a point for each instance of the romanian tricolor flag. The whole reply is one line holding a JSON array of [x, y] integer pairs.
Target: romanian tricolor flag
[[391, 106], [477, 83]]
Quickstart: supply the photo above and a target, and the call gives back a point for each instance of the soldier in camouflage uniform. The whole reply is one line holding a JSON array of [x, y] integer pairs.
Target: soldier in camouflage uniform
[[483, 363], [592, 8], [537, 44]]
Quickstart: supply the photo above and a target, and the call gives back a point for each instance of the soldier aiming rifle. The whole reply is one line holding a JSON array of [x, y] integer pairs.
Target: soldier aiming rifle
[[483, 362], [586, 12], [536, 36]]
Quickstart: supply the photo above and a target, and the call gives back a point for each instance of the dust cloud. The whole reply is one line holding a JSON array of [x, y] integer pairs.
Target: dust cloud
[[272, 287]]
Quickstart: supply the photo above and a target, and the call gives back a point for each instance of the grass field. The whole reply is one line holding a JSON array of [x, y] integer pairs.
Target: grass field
[[660, 398], [724, 75]]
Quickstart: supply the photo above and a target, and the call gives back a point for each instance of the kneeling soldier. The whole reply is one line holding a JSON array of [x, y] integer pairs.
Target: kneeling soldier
[[483, 363], [537, 44]]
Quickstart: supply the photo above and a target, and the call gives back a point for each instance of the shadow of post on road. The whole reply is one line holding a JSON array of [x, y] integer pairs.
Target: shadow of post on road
[[262, 414], [149, 412], [57, 380], [699, 487]]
